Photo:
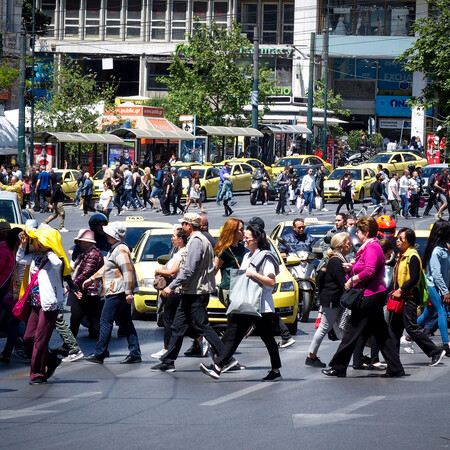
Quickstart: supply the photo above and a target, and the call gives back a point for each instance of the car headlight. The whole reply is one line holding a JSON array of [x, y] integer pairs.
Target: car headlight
[[146, 282], [287, 287]]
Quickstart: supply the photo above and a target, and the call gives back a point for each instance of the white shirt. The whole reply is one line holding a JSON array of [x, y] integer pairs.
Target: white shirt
[[391, 147], [404, 183], [103, 200], [392, 184], [413, 185], [308, 184], [17, 174], [266, 269]]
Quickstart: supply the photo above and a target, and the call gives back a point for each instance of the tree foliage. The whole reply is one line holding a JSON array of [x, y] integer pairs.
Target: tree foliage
[[72, 94], [430, 54], [211, 77], [41, 20], [334, 103], [9, 73]]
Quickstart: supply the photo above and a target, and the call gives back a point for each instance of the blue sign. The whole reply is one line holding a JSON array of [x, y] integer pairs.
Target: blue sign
[[392, 106]]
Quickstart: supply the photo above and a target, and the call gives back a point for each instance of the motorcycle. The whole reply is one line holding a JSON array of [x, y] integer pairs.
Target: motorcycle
[[256, 189]]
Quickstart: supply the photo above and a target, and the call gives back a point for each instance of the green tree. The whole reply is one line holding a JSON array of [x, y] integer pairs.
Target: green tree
[[334, 103], [9, 73], [430, 54], [211, 77], [41, 20]]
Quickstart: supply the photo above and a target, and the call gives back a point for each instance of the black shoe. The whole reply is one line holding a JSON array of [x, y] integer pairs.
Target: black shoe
[[436, 358], [163, 367], [272, 376], [334, 373], [194, 350], [94, 359], [4, 359], [51, 367], [63, 351], [389, 374], [362, 366], [131, 360], [314, 362], [38, 380], [210, 370]]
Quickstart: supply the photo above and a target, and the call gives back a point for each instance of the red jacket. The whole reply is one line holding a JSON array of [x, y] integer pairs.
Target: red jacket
[[7, 263], [85, 266]]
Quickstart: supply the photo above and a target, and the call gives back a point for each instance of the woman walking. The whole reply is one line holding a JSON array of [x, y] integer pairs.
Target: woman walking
[[345, 190], [255, 242], [407, 273], [367, 317], [105, 202], [87, 192], [331, 289], [226, 194], [436, 259], [194, 192], [146, 187]]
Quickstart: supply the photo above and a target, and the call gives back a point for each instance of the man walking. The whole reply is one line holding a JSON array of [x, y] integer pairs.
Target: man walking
[[42, 185], [393, 195], [282, 185], [57, 205], [195, 280]]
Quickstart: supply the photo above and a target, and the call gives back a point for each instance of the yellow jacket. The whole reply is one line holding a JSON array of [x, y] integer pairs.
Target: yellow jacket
[[402, 274], [17, 188]]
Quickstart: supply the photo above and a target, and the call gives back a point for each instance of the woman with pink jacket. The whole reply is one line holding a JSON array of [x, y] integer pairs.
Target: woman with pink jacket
[[367, 318]]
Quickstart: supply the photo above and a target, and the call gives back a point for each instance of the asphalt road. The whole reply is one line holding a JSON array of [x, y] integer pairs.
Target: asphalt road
[[114, 406]]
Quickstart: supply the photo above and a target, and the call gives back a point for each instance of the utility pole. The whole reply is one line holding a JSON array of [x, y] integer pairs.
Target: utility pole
[[30, 156], [309, 124], [325, 80], [21, 130], [255, 93]]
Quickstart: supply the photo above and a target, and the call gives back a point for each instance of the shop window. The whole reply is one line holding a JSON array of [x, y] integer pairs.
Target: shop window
[[249, 17], [178, 21], [269, 24], [133, 21], [72, 18], [159, 20], [220, 12], [48, 7], [288, 23], [113, 10], [155, 70], [92, 18]]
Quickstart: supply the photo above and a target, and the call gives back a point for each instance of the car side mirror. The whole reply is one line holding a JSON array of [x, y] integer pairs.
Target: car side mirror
[[163, 259]]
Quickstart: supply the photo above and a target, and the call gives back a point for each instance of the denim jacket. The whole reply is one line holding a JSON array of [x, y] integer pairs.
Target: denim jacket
[[88, 187], [438, 269]]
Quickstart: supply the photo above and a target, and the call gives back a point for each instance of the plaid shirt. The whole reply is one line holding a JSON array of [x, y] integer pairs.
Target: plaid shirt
[[117, 274]]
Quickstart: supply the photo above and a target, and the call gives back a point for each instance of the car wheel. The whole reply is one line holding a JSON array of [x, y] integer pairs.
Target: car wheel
[[203, 195], [293, 327], [361, 195]]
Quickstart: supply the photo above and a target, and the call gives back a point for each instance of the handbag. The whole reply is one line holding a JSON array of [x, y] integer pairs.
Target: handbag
[[20, 309], [318, 202], [245, 294], [352, 298], [161, 282], [300, 202], [395, 305]]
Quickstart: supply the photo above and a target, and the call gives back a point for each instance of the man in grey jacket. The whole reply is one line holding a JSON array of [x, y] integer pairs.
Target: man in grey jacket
[[195, 281]]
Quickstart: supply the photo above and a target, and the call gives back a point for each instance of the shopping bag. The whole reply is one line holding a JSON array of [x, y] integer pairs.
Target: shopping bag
[[300, 203], [318, 201], [245, 294]]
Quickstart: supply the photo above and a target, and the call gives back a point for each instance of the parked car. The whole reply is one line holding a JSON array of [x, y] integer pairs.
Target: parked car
[[241, 175], [136, 226], [428, 171], [362, 178], [394, 162], [255, 163], [300, 160], [11, 210]]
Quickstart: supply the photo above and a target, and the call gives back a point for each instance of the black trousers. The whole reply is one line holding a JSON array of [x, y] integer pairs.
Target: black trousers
[[87, 204], [228, 210], [281, 200], [347, 200], [366, 320], [408, 321], [414, 205], [176, 203], [432, 200], [238, 324], [191, 312], [89, 306]]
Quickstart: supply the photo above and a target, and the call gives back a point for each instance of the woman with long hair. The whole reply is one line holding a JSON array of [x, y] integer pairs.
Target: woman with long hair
[[345, 190], [407, 273], [330, 291], [194, 192], [367, 317], [436, 260], [255, 242], [146, 187], [105, 201]]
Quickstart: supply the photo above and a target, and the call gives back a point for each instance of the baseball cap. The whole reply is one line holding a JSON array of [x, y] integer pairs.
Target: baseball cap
[[192, 218]]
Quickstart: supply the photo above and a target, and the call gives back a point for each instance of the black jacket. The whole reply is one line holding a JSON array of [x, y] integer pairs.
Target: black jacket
[[58, 195], [177, 185], [333, 286]]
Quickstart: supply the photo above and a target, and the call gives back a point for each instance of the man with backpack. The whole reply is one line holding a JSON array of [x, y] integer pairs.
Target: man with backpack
[[433, 194]]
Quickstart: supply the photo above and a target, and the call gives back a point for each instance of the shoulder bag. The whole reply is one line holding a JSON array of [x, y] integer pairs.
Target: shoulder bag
[[20, 309], [161, 282], [245, 294]]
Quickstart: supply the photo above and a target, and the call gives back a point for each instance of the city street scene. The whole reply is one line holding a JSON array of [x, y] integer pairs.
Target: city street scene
[[224, 224]]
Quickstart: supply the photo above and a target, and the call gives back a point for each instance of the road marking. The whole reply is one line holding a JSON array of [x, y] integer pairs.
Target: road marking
[[41, 409], [306, 420], [16, 377], [237, 394]]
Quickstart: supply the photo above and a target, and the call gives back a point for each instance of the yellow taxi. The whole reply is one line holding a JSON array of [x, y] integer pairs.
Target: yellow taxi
[[241, 174], [136, 226], [299, 160], [208, 177], [362, 179], [394, 161], [70, 181], [255, 163]]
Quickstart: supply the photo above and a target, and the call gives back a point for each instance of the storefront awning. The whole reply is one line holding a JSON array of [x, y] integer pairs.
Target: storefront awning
[[83, 138], [285, 129], [8, 136], [136, 133], [229, 131]]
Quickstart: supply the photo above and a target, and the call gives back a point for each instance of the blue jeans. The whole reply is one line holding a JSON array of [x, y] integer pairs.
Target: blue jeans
[[77, 195], [43, 199], [309, 199], [219, 191], [404, 198], [429, 311], [116, 308], [127, 195]]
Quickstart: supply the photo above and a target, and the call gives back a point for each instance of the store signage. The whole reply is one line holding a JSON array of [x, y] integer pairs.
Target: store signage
[[392, 106], [148, 111], [394, 124], [263, 51]]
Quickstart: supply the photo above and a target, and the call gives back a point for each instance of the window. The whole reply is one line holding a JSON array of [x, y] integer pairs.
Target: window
[[92, 18], [407, 157], [269, 25], [178, 21], [249, 19], [288, 23], [200, 11], [113, 10], [155, 70], [159, 20], [48, 7], [248, 169], [220, 12], [72, 18], [133, 21]]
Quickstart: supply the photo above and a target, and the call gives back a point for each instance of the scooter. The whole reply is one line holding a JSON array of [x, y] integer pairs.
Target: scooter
[[256, 189], [305, 276]]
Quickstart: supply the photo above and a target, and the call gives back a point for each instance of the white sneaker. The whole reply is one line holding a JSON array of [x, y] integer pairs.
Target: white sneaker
[[74, 356], [408, 345], [324, 209], [285, 344], [158, 355], [63, 230], [205, 347]]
